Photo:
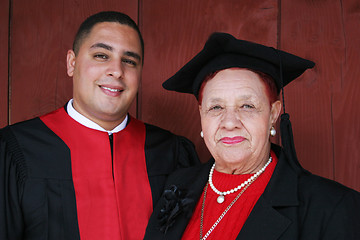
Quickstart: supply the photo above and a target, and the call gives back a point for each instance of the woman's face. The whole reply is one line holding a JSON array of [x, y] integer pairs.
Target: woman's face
[[236, 117]]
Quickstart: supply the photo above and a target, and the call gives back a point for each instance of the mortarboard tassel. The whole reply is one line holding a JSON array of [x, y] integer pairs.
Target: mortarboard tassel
[[287, 138], [287, 142]]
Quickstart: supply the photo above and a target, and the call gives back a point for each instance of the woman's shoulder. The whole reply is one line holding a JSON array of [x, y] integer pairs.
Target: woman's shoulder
[[316, 189]]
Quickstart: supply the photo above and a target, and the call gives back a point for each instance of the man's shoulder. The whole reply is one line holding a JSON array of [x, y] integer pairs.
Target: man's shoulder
[[28, 132], [36, 149], [23, 126], [173, 150], [158, 134], [28, 128], [150, 128], [30, 125]]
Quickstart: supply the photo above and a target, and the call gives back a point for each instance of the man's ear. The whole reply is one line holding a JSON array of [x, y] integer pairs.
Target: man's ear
[[70, 62]]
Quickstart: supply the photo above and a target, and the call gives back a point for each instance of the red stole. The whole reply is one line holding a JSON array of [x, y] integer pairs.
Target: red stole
[[113, 198]]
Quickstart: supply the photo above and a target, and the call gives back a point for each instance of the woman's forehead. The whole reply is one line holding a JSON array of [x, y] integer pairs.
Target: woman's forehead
[[235, 80]]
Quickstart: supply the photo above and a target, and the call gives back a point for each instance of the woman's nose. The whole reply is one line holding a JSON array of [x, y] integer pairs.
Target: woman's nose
[[231, 119]]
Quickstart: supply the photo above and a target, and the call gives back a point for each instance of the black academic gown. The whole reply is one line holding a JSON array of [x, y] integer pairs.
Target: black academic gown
[[37, 197], [294, 205]]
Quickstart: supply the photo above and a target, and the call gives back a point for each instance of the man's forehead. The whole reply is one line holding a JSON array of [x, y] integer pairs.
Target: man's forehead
[[106, 35], [113, 26]]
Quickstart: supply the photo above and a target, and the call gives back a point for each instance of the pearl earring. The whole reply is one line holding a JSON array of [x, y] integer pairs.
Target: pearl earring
[[201, 134], [272, 132]]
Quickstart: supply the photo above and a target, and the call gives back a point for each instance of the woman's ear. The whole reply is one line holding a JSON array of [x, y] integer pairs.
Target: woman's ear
[[275, 111], [70, 62]]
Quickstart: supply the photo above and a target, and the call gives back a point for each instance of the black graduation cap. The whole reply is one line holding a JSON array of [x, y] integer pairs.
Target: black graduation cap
[[222, 51]]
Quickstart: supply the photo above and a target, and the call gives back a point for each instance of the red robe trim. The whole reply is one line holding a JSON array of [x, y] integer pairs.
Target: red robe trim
[[113, 197]]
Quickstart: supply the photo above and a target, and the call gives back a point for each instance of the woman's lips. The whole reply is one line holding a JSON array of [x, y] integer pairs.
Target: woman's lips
[[232, 140]]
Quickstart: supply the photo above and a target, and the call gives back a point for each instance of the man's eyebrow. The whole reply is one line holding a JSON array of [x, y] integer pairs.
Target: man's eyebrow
[[102, 45], [133, 54], [110, 48]]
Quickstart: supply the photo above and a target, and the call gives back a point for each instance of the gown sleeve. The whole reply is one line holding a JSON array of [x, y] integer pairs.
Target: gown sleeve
[[12, 175], [187, 156], [165, 152]]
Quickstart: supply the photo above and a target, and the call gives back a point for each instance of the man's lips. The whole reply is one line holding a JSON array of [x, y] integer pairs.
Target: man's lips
[[232, 140], [112, 91]]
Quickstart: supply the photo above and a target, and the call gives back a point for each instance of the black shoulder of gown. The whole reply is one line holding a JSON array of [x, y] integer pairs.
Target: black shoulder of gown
[[36, 188]]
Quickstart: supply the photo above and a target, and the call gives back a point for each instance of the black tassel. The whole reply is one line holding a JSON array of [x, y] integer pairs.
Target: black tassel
[[287, 142]]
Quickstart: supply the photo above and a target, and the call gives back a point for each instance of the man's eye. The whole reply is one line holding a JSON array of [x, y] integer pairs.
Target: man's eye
[[101, 56], [130, 62]]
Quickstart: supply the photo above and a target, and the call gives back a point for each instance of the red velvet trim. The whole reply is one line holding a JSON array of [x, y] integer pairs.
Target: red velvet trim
[[134, 194], [108, 207]]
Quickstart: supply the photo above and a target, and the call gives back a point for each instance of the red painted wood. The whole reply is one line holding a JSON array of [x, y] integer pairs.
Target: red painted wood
[[322, 104], [4, 35], [34, 56], [345, 107], [174, 32], [313, 30], [42, 32]]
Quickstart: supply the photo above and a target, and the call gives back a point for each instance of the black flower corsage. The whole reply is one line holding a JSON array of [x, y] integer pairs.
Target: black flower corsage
[[175, 203]]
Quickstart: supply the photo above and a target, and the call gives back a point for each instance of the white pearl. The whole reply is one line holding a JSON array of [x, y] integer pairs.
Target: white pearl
[[220, 199]]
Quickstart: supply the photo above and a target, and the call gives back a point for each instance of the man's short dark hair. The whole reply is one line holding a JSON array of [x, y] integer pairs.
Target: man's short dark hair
[[107, 16]]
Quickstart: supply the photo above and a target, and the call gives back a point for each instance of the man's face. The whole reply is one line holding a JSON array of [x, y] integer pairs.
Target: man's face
[[106, 73]]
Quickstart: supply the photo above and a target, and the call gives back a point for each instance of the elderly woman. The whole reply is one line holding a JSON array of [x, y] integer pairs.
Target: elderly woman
[[251, 189]]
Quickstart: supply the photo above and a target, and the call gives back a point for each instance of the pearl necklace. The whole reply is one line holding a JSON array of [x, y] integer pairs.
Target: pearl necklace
[[221, 197]]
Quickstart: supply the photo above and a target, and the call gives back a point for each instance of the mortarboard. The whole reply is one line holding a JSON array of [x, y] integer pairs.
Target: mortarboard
[[222, 51]]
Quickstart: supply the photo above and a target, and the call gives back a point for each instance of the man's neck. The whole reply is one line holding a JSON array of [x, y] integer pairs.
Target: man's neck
[[91, 124]]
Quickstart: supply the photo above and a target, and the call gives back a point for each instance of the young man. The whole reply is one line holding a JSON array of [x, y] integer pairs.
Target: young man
[[89, 170]]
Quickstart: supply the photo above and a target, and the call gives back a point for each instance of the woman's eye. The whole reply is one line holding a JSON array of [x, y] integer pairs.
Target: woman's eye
[[215, 108], [247, 106]]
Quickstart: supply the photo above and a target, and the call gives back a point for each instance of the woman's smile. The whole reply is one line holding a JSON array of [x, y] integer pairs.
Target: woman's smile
[[232, 140]]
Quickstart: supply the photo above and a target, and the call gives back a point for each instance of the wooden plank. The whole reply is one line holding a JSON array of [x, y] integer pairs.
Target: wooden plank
[[39, 83], [4, 45], [324, 102], [174, 31], [346, 111], [34, 51], [313, 30]]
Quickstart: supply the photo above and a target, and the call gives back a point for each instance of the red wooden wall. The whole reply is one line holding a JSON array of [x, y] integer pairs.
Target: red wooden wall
[[4, 45], [322, 103]]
